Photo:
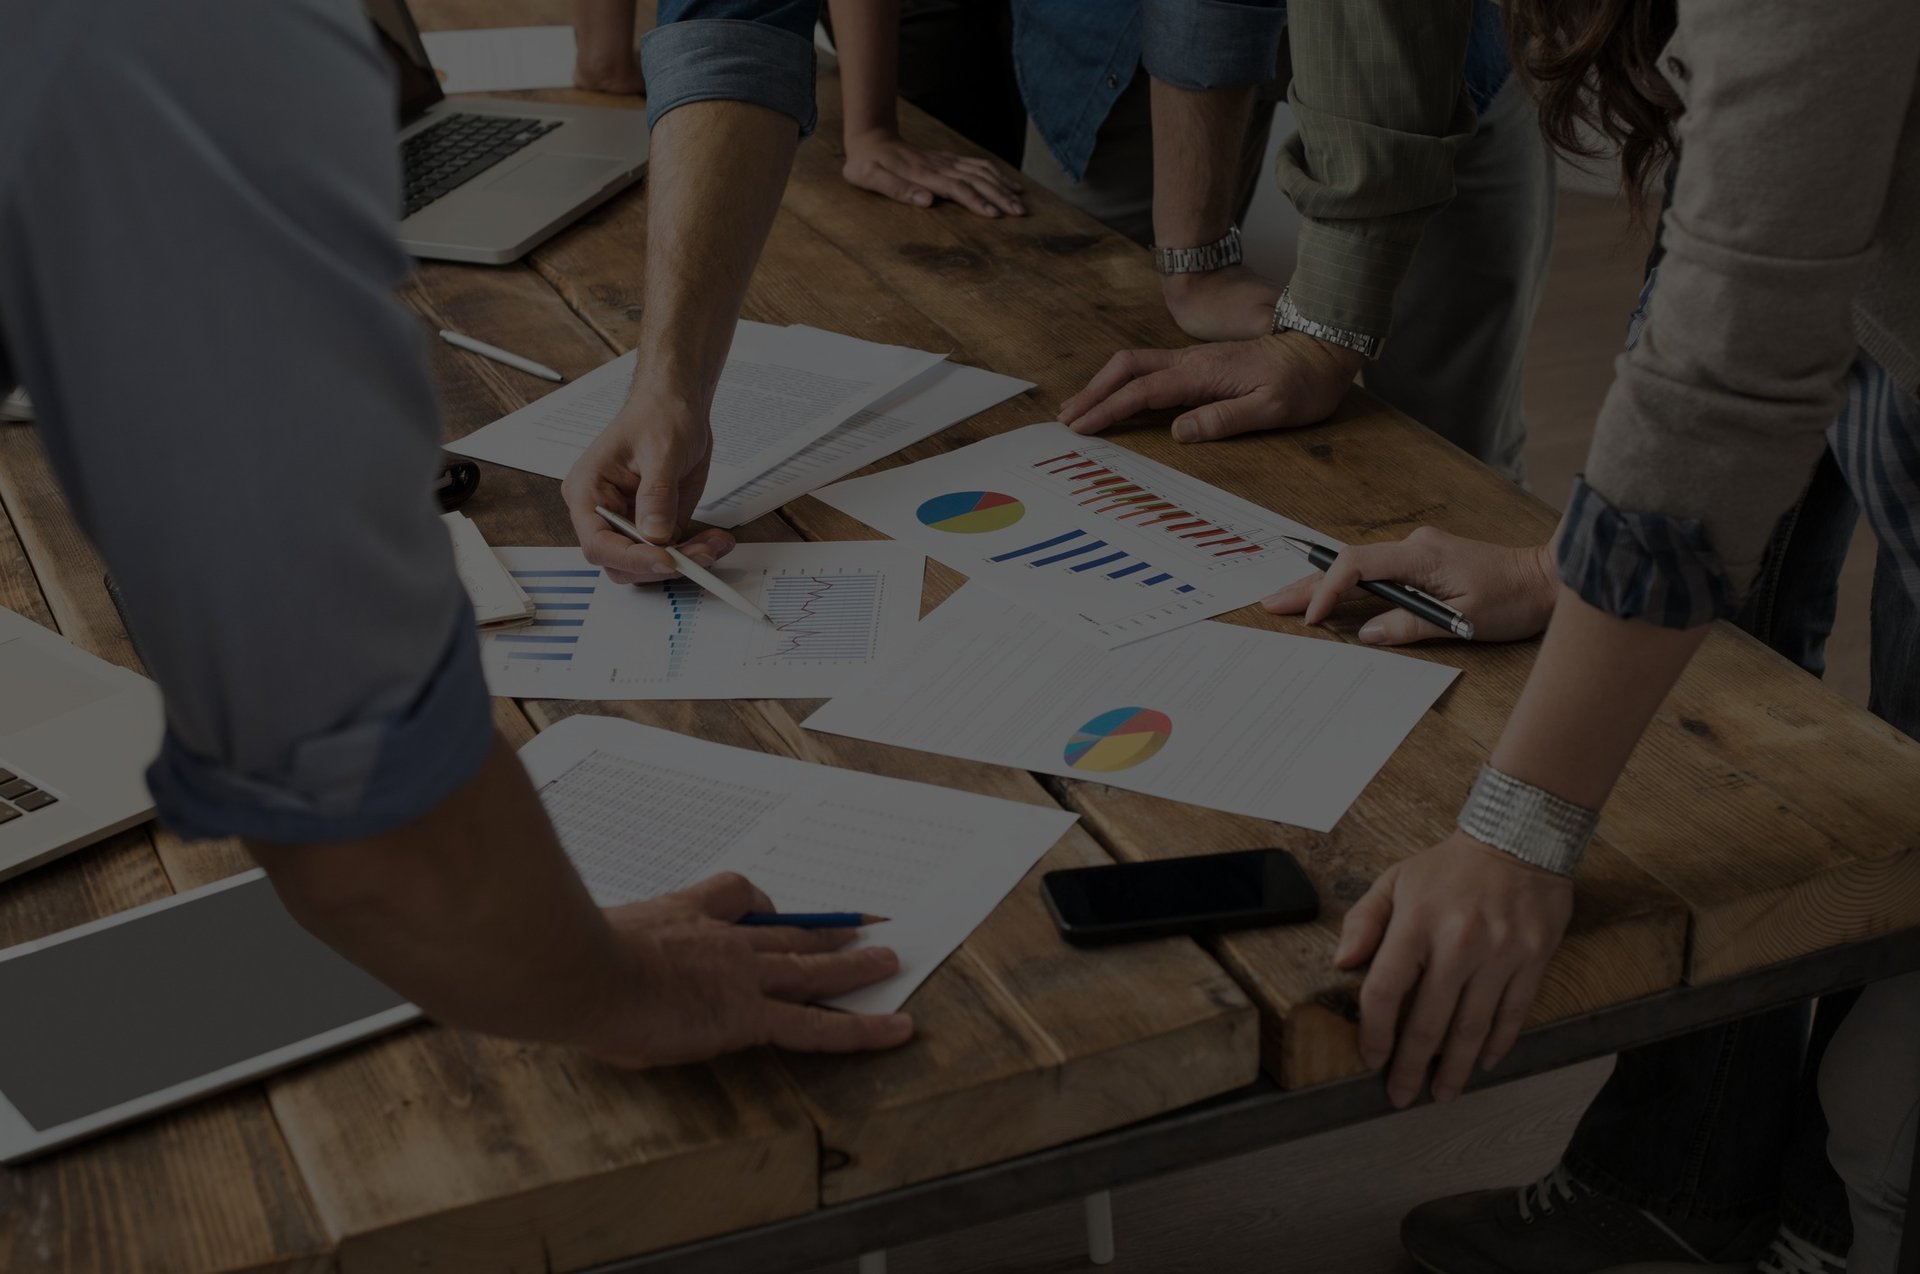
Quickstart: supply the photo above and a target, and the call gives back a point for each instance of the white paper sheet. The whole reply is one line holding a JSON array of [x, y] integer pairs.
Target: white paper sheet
[[1279, 727], [1104, 542], [642, 812], [501, 58], [840, 609], [783, 387], [945, 396]]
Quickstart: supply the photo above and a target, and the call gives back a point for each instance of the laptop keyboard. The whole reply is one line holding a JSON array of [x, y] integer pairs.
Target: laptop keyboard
[[459, 148], [19, 796]]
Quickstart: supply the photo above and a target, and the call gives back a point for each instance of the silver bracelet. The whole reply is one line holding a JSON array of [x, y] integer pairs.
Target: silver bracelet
[[1287, 317], [1527, 822], [1218, 255]]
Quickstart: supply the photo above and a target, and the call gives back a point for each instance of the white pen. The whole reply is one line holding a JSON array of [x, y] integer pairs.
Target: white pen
[[688, 567], [499, 355]]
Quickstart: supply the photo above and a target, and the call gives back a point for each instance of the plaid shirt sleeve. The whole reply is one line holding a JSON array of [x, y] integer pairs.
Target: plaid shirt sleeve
[[1382, 107]]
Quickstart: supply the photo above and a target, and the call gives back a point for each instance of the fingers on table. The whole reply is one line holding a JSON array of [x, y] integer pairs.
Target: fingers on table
[[1134, 380], [1248, 413], [810, 1030]]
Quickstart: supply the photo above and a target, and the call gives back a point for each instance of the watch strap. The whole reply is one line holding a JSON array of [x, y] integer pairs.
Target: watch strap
[[1528, 822], [1218, 255], [1287, 317]]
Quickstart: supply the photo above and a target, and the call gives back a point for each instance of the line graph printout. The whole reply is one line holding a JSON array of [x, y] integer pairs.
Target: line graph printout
[[643, 812], [1092, 537], [836, 610], [1274, 726], [782, 389]]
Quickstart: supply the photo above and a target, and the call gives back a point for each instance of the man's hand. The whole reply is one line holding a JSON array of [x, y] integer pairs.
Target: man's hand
[[1459, 938], [650, 464], [1279, 381], [1232, 304], [878, 160], [701, 986], [1508, 593], [604, 60]]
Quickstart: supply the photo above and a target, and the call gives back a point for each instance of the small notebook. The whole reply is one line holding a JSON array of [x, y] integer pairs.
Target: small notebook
[[498, 602]]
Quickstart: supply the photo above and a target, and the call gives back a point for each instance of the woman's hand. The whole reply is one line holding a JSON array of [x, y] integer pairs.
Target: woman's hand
[[879, 161], [1459, 937], [1508, 593]]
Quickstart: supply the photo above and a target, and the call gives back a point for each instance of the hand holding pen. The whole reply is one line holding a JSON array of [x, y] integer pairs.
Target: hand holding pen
[[1505, 594]]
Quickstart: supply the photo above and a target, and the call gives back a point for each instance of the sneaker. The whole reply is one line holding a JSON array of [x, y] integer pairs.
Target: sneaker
[[1791, 1254], [1561, 1225]]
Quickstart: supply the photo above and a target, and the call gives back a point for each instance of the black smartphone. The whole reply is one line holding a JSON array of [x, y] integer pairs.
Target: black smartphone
[[1210, 893]]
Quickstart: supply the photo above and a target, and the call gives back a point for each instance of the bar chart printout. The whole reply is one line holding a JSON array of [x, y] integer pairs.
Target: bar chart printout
[[836, 609], [1091, 536]]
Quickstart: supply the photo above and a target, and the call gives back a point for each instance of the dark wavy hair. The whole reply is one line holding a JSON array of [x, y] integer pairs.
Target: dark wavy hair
[[1591, 65]]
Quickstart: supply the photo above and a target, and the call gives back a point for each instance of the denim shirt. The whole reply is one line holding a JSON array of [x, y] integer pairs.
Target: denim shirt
[[1073, 57]]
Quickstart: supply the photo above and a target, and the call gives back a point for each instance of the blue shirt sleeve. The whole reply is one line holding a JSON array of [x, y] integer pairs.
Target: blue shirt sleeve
[[1211, 44], [758, 51], [197, 267]]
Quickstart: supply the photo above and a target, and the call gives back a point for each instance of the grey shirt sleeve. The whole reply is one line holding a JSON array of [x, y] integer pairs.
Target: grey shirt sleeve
[[196, 274], [1792, 128]]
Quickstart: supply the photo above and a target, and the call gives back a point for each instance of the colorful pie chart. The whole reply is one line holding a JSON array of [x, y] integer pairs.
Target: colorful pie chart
[[1118, 740], [971, 512]]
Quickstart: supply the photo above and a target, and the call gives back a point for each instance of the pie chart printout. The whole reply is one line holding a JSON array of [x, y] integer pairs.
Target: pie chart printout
[[971, 512], [1118, 740]]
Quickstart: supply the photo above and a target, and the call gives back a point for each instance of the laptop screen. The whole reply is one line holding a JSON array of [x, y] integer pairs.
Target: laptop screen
[[413, 74]]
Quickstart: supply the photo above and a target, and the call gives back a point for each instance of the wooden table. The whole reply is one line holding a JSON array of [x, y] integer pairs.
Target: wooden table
[[1763, 819]]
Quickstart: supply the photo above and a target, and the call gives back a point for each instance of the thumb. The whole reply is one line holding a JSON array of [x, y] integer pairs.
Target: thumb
[[1366, 923], [656, 504], [1398, 627], [1225, 419]]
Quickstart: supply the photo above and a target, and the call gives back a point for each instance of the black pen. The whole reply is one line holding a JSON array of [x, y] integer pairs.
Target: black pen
[[1405, 596]]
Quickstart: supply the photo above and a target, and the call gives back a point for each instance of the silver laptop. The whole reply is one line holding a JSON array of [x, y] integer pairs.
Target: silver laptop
[[76, 737], [489, 179]]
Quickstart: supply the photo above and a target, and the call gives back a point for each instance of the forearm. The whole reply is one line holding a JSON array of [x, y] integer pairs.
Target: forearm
[[604, 32], [718, 169], [866, 38], [473, 912], [1198, 139], [1595, 686]]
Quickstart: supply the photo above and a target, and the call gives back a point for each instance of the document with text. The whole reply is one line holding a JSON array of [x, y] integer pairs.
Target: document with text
[[782, 388], [1266, 724], [837, 609], [1095, 538], [642, 812]]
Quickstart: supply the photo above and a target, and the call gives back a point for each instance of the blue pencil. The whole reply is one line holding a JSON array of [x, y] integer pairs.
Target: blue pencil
[[811, 920]]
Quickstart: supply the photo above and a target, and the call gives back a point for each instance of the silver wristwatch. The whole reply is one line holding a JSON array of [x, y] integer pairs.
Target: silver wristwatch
[[1218, 255], [1530, 823], [1287, 318]]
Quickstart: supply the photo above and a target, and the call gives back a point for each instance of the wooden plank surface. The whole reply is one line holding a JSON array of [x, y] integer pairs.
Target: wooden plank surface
[[211, 1188]]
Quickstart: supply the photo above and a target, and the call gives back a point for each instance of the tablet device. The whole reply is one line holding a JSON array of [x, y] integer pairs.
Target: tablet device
[[166, 1003]]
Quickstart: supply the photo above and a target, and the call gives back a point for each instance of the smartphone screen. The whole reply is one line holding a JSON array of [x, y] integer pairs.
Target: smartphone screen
[[1208, 893]]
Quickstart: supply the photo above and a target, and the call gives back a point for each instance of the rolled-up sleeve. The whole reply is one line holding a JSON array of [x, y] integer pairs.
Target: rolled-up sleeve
[[1382, 107], [197, 267], [757, 51], [1719, 412], [1211, 44]]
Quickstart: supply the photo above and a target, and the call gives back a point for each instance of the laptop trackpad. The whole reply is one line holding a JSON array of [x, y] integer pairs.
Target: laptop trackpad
[[548, 176], [36, 686]]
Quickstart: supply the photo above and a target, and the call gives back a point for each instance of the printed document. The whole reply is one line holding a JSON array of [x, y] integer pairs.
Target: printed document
[[497, 59], [782, 388], [642, 812], [836, 609], [1094, 538], [1274, 726]]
